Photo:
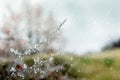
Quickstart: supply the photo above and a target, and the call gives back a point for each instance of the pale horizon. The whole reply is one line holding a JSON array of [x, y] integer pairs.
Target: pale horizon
[[90, 24]]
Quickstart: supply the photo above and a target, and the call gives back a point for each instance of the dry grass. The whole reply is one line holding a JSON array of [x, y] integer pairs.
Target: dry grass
[[100, 66]]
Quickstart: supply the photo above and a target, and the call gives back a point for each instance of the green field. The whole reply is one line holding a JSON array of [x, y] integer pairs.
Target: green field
[[99, 66]]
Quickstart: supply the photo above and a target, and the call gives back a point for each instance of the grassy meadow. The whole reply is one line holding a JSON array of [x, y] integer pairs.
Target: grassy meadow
[[99, 66]]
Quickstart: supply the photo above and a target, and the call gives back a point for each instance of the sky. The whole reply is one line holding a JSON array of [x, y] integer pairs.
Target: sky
[[90, 25]]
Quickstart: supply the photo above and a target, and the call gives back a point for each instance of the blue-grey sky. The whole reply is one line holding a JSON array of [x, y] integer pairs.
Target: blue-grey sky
[[90, 23]]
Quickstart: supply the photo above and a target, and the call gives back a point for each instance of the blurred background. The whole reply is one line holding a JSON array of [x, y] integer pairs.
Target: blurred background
[[90, 26]]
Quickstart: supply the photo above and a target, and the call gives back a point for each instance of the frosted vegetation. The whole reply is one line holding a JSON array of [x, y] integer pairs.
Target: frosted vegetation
[[20, 69], [31, 49], [26, 34]]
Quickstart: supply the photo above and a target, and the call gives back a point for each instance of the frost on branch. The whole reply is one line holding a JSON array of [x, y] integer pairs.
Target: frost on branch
[[26, 33], [30, 28]]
